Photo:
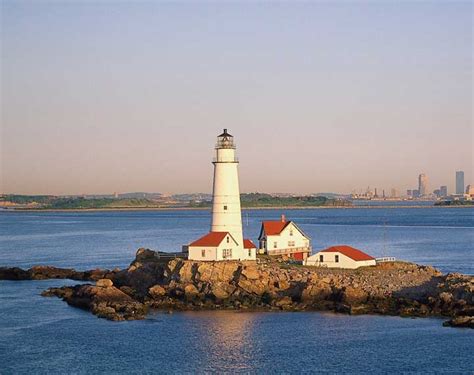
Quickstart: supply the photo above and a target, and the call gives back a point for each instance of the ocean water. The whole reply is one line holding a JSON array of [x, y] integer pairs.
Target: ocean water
[[45, 335]]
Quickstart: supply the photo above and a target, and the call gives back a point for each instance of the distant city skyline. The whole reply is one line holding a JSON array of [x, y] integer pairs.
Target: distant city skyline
[[424, 189], [107, 97]]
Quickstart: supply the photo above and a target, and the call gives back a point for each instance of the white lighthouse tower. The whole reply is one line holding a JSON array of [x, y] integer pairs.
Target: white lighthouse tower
[[226, 213], [225, 240]]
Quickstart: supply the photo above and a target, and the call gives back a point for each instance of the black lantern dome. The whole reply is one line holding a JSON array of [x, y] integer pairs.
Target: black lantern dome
[[225, 140]]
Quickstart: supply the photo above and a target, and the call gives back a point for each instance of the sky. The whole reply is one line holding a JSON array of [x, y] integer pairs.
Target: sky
[[116, 96]]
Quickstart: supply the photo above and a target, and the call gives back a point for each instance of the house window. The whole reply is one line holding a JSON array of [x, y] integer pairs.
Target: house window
[[228, 239], [291, 243], [250, 252], [275, 245], [225, 208], [321, 258], [226, 253], [203, 253], [336, 258], [291, 232]]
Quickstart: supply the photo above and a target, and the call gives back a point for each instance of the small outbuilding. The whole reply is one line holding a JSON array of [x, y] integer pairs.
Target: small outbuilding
[[284, 238], [216, 246], [341, 256]]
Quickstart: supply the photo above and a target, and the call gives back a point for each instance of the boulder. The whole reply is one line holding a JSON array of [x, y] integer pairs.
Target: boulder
[[352, 295], [315, 291], [187, 272], [217, 271], [284, 301], [252, 286], [251, 272], [104, 283], [190, 290], [460, 321], [156, 291], [446, 297], [222, 291]]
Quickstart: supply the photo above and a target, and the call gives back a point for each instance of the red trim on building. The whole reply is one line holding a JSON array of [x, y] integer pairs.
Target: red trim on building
[[248, 244], [272, 228], [210, 239], [348, 251]]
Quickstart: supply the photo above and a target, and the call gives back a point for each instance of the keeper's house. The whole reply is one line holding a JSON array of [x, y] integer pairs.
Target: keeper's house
[[216, 246], [284, 238], [340, 257]]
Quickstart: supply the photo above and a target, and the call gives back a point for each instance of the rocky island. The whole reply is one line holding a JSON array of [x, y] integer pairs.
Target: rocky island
[[153, 281]]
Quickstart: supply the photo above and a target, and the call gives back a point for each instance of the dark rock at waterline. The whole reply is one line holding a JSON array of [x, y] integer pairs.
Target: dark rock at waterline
[[50, 272], [14, 273], [460, 321]]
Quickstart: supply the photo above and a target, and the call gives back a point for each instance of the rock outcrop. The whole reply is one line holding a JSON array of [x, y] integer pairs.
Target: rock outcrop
[[395, 288], [102, 299], [50, 272]]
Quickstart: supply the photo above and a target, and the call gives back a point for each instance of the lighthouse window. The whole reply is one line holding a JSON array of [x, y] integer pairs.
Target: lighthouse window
[[203, 253], [225, 208]]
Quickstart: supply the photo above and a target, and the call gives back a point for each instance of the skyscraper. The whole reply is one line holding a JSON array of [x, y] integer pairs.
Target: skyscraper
[[394, 193], [459, 182], [423, 185], [443, 191]]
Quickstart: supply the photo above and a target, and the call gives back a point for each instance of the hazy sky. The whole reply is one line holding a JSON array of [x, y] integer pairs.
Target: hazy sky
[[107, 96]]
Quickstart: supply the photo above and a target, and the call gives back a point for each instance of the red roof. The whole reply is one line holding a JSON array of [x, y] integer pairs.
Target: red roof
[[349, 252], [249, 244], [272, 228], [210, 239]]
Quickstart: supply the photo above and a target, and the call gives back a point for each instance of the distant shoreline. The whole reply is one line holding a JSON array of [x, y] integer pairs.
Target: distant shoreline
[[209, 208]]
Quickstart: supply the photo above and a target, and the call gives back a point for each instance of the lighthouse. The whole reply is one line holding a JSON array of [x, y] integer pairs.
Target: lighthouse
[[225, 240], [226, 212]]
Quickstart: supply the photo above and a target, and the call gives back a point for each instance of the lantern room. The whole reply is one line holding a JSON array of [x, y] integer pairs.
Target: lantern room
[[225, 140]]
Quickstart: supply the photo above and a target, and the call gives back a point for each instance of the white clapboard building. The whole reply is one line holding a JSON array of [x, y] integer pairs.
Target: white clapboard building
[[284, 238], [341, 256]]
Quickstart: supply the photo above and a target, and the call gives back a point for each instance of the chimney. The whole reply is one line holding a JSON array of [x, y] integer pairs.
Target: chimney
[[283, 218]]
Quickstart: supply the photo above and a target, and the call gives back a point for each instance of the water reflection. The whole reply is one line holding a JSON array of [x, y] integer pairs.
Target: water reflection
[[228, 338]]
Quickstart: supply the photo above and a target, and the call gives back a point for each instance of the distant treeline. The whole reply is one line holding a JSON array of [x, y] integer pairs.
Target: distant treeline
[[78, 203], [247, 200], [63, 203], [268, 200], [455, 203], [27, 199]]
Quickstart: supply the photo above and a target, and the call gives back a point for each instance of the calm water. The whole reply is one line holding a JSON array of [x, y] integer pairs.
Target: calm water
[[44, 335]]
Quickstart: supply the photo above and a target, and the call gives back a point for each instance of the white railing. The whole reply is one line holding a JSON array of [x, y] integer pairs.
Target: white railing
[[235, 159], [289, 250], [385, 259]]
